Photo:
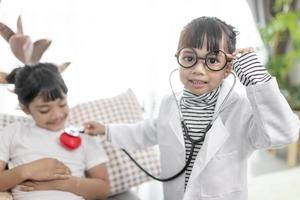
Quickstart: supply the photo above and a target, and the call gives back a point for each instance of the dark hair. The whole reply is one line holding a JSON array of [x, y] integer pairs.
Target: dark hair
[[42, 79], [211, 28]]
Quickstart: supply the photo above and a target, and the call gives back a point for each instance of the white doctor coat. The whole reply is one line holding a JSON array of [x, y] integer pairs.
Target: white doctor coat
[[262, 119]]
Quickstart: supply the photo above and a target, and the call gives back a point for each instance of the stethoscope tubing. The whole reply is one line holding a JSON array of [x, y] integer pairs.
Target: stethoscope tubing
[[193, 141]]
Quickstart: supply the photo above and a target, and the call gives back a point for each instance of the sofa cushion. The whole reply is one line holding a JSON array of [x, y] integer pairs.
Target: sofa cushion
[[123, 174], [6, 119], [124, 108]]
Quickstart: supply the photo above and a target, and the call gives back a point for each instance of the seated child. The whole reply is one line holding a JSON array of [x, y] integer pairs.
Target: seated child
[[33, 152]]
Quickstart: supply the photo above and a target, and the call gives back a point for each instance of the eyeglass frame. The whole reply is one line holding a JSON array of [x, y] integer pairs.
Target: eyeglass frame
[[202, 58]]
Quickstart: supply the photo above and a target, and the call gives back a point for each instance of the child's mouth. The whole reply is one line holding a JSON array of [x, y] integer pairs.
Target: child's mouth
[[198, 83]]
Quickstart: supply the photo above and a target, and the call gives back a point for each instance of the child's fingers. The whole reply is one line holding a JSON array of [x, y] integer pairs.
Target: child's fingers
[[28, 184], [230, 57], [63, 167], [62, 170], [26, 188], [94, 128], [242, 51], [90, 124], [90, 132], [61, 176], [87, 127]]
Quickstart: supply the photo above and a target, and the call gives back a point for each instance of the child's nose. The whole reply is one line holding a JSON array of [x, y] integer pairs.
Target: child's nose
[[57, 113], [200, 66]]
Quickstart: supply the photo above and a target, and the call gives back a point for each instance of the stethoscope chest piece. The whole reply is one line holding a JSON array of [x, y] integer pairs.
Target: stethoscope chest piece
[[70, 138]]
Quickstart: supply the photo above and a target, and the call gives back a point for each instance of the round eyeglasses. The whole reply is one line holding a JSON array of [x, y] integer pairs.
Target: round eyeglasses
[[214, 61]]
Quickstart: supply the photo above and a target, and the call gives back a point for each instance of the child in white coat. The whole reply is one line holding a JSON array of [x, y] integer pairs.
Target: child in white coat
[[208, 131]]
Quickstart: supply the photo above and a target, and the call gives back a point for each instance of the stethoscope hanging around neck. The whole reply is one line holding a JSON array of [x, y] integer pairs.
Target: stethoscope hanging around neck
[[186, 133], [216, 113]]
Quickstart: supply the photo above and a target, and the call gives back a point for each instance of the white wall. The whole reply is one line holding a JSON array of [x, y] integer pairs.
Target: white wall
[[114, 45]]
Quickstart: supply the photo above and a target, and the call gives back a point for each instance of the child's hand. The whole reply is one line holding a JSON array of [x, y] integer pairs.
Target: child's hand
[[94, 128], [238, 53], [248, 68], [45, 169], [241, 51], [29, 186]]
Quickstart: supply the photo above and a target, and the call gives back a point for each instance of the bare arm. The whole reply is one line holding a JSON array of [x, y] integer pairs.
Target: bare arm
[[43, 169], [95, 186], [10, 178]]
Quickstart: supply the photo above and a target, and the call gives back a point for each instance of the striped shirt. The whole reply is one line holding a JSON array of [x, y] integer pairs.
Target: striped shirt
[[198, 110]]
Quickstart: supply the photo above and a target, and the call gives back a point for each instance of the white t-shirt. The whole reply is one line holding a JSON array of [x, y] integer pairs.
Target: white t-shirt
[[22, 143]]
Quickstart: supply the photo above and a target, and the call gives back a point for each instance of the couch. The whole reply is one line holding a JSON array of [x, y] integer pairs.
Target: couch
[[123, 174]]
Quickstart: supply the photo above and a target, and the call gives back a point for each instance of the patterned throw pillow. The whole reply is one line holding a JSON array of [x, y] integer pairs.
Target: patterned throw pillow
[[6, 119], [123, 174]]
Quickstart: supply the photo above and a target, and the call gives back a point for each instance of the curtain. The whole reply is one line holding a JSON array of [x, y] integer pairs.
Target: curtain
[[261, 10]]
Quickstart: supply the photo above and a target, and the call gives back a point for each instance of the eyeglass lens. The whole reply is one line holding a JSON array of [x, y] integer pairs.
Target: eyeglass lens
[[215, 61]]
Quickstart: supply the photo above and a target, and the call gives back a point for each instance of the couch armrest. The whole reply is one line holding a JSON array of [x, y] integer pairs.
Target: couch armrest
[[5, 196]]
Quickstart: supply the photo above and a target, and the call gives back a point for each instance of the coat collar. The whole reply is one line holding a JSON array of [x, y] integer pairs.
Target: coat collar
[[225, 89], [218, 126]]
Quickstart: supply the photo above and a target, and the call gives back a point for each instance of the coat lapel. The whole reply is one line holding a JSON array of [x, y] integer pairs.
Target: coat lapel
[[216, 136], [218, 133], [175, 123]]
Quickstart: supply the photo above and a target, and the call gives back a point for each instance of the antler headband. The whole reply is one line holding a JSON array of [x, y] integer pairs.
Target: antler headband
[[22, 47]]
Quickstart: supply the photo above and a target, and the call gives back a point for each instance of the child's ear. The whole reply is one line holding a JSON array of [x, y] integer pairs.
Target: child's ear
[[228, 70], [25, 109]]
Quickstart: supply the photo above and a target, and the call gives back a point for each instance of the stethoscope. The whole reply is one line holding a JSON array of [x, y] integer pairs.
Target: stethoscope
[[186, 133], [70, 137]]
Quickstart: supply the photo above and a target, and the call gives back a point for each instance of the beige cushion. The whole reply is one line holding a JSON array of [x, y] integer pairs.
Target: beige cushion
[[123, 174], [122, 108], [6, 119]]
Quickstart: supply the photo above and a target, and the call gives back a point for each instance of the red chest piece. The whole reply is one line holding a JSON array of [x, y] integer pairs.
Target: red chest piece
[[70, 138]]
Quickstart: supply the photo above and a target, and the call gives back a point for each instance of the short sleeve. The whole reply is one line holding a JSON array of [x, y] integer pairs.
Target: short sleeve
[[6, 137], [94, 152]]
